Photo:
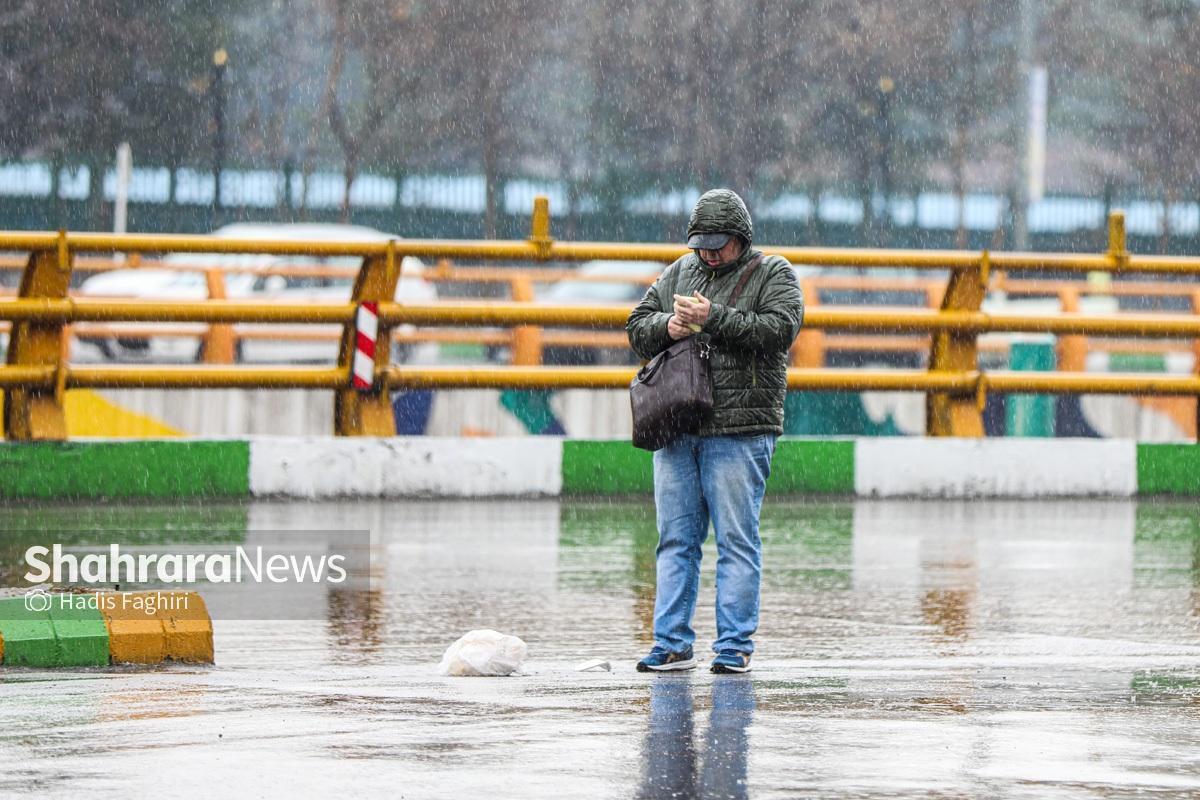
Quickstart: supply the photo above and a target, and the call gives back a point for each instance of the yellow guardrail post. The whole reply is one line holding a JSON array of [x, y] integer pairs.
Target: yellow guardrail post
[[1117, 250], [368, 413], [539, 228], [527, 339], [958, 413], [37, 412]]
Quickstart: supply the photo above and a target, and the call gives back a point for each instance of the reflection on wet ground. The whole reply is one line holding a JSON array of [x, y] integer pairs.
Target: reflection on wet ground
[[669, 753], [1036, 649]]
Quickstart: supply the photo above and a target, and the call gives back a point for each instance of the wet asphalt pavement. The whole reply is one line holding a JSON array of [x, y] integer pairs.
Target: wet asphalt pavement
[[981, 649]]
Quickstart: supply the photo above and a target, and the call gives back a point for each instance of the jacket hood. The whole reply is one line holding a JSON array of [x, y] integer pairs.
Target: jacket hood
[[721, 211]]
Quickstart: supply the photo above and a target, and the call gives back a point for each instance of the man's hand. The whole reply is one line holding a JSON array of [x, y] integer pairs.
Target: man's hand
[[677, 329], [692, 310]]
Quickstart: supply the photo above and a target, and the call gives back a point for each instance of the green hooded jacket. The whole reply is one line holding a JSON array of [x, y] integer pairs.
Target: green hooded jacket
[[750, 339]]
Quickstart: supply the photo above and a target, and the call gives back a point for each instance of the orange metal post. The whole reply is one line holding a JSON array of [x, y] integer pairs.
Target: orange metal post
[[218, 345], [526, 339], [934, 293], [810, 344], [1196, 341], [1196, 357], [1072, 348]]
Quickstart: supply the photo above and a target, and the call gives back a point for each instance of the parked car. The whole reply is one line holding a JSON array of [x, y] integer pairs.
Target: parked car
[[598, 292], [171, 284]]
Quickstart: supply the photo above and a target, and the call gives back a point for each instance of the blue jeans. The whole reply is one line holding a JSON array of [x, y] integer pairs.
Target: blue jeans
[[698, 479]]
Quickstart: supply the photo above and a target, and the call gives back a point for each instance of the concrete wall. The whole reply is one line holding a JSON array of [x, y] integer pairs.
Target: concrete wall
[[584, 413]]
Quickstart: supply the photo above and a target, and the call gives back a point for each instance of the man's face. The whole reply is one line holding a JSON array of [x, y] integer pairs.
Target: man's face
[[715, 258]]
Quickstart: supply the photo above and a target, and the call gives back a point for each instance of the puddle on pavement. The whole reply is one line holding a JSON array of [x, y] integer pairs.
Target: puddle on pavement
[[969, 649]]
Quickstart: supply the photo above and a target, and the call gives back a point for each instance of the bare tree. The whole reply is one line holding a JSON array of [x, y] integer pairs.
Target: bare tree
[[1133, 73], [281, 69], [488, 49], [1160, 88], [874, 65], [81, 78], [387, 43], [700, 94], [974, 87]]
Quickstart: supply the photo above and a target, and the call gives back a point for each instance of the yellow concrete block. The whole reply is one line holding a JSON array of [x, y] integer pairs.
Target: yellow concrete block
[[189, 632], [1, 649], [134, 637], [152, 627]]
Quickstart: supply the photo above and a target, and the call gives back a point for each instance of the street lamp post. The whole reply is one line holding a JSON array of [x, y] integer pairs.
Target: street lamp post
[[217, 87], [886, 138]]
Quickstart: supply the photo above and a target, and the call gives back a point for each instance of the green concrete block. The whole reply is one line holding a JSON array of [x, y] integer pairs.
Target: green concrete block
[[1168, 469], [800, 466], [812, 466], [606, 467], [136, 468], [29, 639], [80, 630]]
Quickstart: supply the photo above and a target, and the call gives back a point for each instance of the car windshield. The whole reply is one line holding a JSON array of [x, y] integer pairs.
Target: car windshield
[[289, 263], [600, 291]]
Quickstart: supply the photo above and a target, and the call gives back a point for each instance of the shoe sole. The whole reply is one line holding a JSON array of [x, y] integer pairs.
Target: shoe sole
[[721, 669], [674, 665]]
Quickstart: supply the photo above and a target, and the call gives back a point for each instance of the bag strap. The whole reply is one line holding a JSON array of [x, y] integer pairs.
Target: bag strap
[[646, 373], [741, 284]]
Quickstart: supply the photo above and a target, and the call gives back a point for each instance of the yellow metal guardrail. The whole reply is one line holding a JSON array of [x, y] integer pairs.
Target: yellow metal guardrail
[[37, 373], [219, 340]]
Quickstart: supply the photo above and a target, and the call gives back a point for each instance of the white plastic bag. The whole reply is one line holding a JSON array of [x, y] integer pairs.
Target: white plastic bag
[[484, 652]]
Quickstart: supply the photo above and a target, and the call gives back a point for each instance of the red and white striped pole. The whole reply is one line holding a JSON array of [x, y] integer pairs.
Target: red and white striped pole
[[366, 323]]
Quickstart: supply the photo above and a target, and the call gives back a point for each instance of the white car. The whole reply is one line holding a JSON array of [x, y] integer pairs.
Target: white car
[[254, 342], [601, 292], [636, 275]]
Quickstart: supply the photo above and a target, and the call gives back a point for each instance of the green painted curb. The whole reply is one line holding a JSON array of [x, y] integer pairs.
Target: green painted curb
[[68, 634], [81, 632], [813, 466], [808, 466], [29, 639], [1168, 469], [151, 468], [180, 469], [606, 467]]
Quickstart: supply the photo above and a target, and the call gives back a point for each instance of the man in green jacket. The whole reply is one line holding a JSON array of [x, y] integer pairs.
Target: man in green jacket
[[750, 307]]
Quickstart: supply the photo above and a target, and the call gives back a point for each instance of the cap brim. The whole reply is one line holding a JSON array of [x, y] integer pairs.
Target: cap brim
[[708, 241]]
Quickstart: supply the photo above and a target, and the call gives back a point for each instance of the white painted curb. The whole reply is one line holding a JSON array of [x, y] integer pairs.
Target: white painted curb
[[410, 466], [995, 468]]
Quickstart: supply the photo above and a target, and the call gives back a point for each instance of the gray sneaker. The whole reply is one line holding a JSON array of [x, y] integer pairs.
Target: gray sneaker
[[731, 661], [661, 660]]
